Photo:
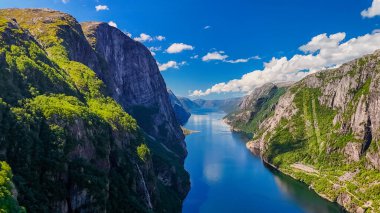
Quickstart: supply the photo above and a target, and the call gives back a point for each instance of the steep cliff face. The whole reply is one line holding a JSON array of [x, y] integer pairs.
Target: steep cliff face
[[180, 112], [255, 108], [330, 121], [134, 80], [71, 146]]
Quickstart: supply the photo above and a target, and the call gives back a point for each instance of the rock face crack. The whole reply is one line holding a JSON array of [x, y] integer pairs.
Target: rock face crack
[[367, 136]]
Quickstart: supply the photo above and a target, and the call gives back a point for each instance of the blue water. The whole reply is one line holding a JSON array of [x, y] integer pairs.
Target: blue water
[[226, 177]]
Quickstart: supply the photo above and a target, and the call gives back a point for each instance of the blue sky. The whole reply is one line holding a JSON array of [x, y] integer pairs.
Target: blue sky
[[240, 29]]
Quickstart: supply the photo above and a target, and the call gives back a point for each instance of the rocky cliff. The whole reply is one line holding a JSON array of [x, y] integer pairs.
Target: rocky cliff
[[325, 131], [180, 112], [134, 80], [255, 107], [65, 90]]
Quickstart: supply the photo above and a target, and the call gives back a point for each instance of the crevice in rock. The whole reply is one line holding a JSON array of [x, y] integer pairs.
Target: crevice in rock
[[367, 136]]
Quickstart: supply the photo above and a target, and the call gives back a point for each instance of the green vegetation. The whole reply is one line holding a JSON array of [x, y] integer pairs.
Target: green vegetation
[[311, 138], [262, 111], [8, 203], [143, 152], [62, 134]]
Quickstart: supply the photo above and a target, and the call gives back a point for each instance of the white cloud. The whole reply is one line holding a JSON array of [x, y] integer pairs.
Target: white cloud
[[144, 37], [178, 47], [221, 56], [373, 11], [171, 64], [242, 60], [321, 52], [160, 38], [154, 49], [207, 27], [148, 38], [65, 1], [101, 7], [194, 57], [217, 55], [113, 24]]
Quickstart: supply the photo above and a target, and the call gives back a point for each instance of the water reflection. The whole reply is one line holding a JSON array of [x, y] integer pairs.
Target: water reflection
[[225, 177]]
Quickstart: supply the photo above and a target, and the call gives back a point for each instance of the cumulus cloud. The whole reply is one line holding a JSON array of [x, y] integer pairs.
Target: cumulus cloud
[[147, 38], [373, 11], [194, 57], [215, 56], [221, 56], [178, 47], [171, 64], [160, 38], [113, 24], [321, 52], [207, 27], [143, 38], [101, 7]]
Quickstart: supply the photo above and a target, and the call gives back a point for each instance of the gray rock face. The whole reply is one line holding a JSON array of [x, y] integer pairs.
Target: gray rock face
[[352, 90], [133, 79], [337, 111], [352, 151], [251, 104], [250, 101]]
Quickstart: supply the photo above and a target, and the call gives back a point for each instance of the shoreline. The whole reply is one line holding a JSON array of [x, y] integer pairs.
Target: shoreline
[[257, 152]]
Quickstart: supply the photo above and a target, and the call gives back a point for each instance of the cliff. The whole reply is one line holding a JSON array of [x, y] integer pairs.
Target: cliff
[[180, 112], [325, 131], [255, 108], [65, 93]]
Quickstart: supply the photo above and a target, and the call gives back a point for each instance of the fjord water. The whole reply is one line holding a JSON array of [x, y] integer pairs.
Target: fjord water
[[226, 177]]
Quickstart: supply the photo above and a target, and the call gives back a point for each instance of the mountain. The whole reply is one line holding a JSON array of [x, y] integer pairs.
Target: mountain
[[226, 105], [188, 104], [325, 130], [255, 107], [86, 121], [182, 114]]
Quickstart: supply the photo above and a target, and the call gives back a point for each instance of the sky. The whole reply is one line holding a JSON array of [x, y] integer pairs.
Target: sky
[[216, 49]]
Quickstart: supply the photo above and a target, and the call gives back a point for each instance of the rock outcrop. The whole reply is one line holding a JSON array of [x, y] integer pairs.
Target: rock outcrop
[[255, 107]]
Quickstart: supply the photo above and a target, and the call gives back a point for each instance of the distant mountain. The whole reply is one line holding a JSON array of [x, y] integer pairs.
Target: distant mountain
[[188, 104], [182, 113], [227, 105]]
